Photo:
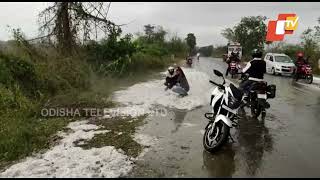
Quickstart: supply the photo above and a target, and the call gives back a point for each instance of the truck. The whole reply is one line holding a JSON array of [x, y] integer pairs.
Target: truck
[[233, 47]]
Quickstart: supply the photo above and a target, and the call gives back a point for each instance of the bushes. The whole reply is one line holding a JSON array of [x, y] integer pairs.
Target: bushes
[[15, 70], [119, 56], [109, 50], [13, 100], [34, 75]]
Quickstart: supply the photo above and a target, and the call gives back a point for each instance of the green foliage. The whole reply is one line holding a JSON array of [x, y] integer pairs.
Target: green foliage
[[229, 34], [14, 70], [310, 43], [191, 42], [22, 135], [13, 100], [110, 49], [177, 46], [36, 75], [119, 56], [250, 33]]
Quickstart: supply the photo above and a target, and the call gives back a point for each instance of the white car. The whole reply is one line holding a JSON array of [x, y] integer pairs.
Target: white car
[[279, 64]]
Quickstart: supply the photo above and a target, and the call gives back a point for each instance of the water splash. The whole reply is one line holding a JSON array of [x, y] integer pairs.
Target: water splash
[[145, 95]]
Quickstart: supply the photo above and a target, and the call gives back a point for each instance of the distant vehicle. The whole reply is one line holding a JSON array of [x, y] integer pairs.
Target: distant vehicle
[[235, 47], [306, 73], [280, 64]]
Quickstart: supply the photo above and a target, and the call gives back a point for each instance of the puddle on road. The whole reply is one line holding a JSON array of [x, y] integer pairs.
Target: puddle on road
[[180, 153]]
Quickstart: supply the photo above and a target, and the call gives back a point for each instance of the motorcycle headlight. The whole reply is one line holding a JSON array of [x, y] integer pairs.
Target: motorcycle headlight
[[233, 103]]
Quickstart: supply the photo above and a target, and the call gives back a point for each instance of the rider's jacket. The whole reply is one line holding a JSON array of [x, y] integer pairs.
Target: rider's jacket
[[300, 61], [256, 69], [171, 80]]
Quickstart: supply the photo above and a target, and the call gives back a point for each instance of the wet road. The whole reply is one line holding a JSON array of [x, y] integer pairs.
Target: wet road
[[286, 144]]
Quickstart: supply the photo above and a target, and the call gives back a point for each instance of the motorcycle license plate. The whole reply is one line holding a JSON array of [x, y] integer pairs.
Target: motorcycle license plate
[[262, 96]]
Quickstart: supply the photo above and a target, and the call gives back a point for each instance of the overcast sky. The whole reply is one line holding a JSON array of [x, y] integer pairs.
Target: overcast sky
[[205, 20]]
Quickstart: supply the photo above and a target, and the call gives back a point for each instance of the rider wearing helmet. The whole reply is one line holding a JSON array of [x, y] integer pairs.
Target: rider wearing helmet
[[171, 78], [256, 69], [300, 59], [233, 57], [299, 62]]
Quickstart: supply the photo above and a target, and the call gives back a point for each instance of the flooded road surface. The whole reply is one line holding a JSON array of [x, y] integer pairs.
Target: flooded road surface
[[286, 144]]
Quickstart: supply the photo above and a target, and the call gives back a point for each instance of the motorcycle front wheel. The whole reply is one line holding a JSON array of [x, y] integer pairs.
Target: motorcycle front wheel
[[309, 79], [214, 138]]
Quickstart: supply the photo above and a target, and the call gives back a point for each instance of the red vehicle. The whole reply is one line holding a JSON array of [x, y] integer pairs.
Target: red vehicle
[[304, 72], [234, 68]]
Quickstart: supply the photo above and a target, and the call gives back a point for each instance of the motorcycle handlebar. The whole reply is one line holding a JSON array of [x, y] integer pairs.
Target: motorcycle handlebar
[[219, 85]]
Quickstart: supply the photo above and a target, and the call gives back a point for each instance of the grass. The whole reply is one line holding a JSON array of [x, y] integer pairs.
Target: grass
[[22, 135], [120, 135], [24, 132]]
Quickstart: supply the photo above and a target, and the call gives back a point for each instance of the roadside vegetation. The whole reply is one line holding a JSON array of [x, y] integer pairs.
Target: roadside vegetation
[[64, 69]]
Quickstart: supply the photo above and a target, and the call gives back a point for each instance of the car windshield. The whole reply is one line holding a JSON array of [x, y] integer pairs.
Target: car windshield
[[283, 59]]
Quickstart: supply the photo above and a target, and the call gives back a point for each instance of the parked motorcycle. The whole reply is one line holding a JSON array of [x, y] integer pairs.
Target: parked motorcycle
[[225, 103], [305, 73]]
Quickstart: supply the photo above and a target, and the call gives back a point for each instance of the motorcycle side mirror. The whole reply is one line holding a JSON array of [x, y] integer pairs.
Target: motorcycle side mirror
[[218, 73]]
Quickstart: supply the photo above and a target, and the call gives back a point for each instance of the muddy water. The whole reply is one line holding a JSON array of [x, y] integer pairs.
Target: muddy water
[[285, 144]]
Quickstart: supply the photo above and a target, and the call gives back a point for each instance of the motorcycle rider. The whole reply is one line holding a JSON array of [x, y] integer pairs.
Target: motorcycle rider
[[233, 57], [256, 68], [299, 63], [189, 58]]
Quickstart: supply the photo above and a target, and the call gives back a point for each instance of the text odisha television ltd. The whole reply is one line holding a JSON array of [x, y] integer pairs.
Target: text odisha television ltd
[[99, 112], [285, 24]]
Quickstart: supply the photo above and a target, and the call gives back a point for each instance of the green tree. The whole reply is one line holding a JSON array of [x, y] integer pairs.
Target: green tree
[[149, 30], [250, 33], [310, 43], [191, 42], [229, 34]]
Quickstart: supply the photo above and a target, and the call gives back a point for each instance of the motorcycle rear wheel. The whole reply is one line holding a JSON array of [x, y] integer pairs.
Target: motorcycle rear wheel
[[220, 135], [256, 110]]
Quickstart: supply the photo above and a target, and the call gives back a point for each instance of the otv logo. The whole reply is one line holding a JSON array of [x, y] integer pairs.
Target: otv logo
[[286, 24]]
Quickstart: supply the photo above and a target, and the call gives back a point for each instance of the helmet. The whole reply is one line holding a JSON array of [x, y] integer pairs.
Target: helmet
[[300, 54], [256, 53], [171, 70]]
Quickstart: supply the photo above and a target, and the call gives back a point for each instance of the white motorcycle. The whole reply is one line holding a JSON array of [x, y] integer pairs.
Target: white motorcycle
[[225, 103]]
